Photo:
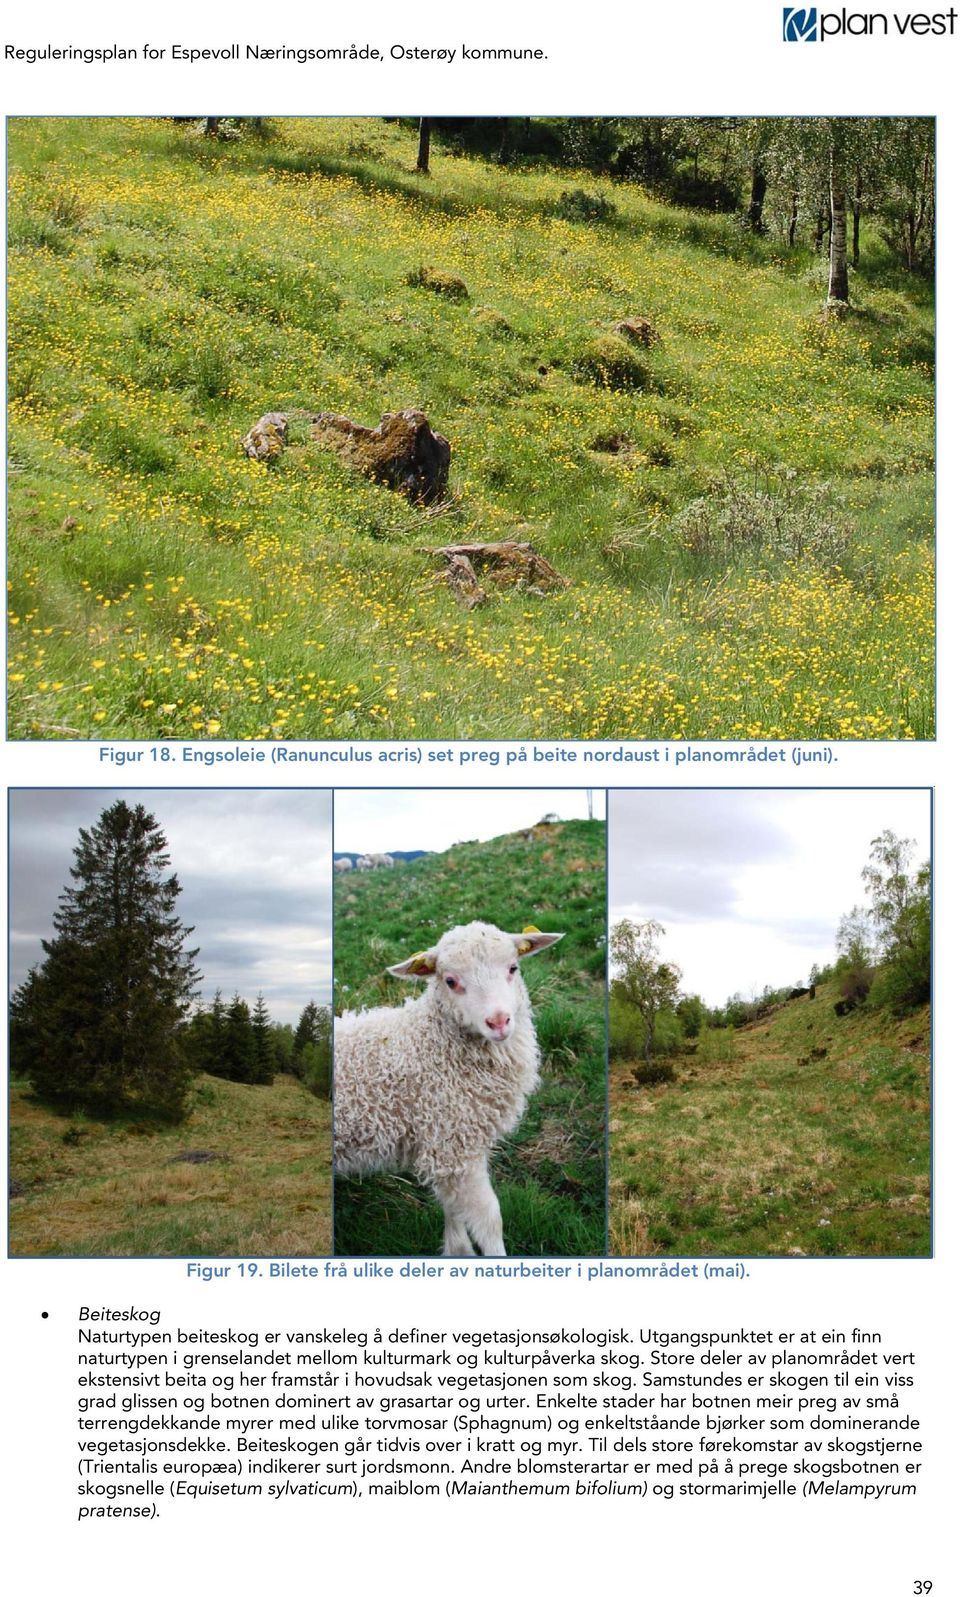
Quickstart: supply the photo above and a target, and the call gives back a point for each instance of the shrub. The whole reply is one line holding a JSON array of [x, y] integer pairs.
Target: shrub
[[211, 370], [610, 362], [780, 517], [653, 1073], [439, 282], [576, 205], [716, 1045]]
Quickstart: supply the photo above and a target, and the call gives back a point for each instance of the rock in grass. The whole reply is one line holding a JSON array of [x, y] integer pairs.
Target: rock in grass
[[638, 331], [438, 282], [266, 438], [492, 321], [403, 452], [610, 362]]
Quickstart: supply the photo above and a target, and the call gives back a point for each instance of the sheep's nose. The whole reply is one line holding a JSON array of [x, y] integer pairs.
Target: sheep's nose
[[499, 1023]]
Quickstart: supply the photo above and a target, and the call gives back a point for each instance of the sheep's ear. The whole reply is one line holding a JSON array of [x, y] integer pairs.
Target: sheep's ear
[[422, 964], [533, 941]]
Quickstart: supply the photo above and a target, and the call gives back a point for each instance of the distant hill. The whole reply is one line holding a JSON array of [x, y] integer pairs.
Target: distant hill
[[395, 854], [813, 1140]]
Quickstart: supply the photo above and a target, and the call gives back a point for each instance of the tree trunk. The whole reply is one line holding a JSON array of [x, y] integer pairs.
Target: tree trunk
[[794, 216], [758, 190], [838, 287], [211, 126], [423, 149], [821, 229], [857, 208]]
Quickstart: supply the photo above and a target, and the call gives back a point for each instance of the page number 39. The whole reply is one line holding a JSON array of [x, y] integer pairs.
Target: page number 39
[[922, 1587]]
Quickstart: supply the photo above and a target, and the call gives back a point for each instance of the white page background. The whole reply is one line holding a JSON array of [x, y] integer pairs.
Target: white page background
[[631, 60]]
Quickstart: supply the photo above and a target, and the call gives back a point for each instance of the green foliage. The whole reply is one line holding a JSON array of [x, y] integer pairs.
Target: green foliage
[[238, 1062], [311, 1049], [645, 983], [653, 1073], [716, 1045], [549, 1174], [611, 362], [264, 1049], [576, 205], [778, 519], [692, 1014], [98, 1024]]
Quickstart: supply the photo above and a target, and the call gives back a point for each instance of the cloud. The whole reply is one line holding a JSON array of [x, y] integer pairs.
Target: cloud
[[254, 866], [750, 884]]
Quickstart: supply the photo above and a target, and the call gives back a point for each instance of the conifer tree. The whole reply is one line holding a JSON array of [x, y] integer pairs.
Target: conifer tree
[[238, 1047], [264, 1055], [100, 1022]]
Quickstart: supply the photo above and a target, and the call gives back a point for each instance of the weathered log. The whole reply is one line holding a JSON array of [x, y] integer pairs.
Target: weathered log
[[463, 580], [403, 452], [508, 561]]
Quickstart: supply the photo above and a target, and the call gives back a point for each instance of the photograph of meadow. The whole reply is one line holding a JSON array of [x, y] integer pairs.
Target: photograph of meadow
[[478, 427], [770, 1023], [170, 1023], [404, 877]]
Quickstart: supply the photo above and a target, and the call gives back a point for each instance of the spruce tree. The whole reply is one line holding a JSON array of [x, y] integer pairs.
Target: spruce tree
[[100, 1022], [308, 1028], [264, 1055]]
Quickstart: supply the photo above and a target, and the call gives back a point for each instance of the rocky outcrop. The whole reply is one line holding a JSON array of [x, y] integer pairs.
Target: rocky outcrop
[[403, 452]]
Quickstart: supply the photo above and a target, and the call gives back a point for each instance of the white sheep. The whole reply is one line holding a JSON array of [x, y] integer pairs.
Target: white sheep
[[431, 1086], [343, 864]]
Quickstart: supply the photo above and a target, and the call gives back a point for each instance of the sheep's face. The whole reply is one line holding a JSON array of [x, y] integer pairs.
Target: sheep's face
[[476, 969]]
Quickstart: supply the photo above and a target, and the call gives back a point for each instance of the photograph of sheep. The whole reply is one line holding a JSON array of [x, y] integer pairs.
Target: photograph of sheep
[[469, 1029], [170, 1022], [305, 411], [770, 1034]]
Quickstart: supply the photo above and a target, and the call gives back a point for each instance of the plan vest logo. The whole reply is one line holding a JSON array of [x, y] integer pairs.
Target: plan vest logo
[[800, 26], [807, 25]]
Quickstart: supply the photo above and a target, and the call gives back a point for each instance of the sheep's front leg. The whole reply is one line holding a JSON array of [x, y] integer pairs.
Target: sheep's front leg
[[470, 1209]]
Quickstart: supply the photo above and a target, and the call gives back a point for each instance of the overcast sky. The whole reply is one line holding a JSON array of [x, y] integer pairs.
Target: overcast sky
[[750, 886], [403, 818], [254, 866]]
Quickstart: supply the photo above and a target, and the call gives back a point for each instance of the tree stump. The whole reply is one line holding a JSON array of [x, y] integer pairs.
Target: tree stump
[[508, 563], [403, 452], [638, 330], [266, 438]]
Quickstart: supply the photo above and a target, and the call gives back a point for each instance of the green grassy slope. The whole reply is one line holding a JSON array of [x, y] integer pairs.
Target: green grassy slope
[[165, 290], [121, 1189], [780, 1152], [549, 1174]]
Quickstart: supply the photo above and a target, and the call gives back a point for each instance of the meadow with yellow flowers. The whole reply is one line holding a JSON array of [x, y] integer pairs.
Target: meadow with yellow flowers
[[744, 511]]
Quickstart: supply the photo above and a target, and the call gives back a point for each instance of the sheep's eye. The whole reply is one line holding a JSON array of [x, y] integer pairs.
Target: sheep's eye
[[451, 981], [514, 969]]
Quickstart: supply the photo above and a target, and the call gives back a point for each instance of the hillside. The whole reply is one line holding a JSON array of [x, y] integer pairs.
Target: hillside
[[743, 511], [549, 1173], [780, 1152], [125, 1188]]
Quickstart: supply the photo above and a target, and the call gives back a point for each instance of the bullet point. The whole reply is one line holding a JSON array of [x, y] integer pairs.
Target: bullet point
[[44, 1315]]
